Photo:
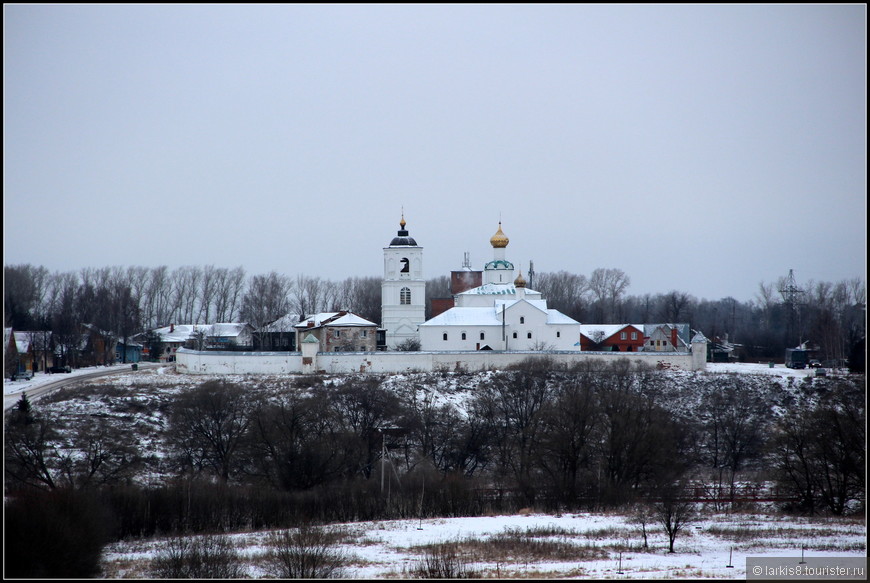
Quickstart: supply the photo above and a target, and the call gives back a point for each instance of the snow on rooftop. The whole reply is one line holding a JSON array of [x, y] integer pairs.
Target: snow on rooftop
[[323, 318], [599, 332], [227, 329], [473, 316], [285, 323], [492, 289], [181, 332]]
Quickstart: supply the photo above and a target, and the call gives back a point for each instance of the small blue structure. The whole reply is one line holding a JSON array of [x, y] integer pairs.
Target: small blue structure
[[129, 352]]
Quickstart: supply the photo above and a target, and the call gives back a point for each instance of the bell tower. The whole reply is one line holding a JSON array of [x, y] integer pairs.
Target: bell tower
[[403, 291]]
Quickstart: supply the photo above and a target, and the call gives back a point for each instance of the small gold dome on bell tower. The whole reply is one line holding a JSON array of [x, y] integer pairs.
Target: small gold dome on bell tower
[[520, 280], [499, 240]]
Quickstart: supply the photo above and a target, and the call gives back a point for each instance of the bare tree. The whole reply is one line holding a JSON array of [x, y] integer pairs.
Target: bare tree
[[228, 293], [675, 306], [187, 282], [734, 422], [208, 426], [513, 401], [100, 453], [564, 291], [570, 422], [267, 299], [607, 287], [206, 292], [308, 292], [30, 452], [673, 512]]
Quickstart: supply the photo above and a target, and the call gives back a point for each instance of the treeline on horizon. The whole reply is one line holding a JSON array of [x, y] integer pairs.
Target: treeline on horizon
[[130, 300], [222, 456]]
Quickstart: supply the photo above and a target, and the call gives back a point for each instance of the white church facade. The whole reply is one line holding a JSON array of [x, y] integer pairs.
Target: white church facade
[[502, 314]]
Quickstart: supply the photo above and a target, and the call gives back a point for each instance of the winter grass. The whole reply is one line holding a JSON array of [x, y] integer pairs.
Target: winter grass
[[538, 546]]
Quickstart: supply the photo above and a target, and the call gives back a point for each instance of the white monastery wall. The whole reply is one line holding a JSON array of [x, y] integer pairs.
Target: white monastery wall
[[216, 362]]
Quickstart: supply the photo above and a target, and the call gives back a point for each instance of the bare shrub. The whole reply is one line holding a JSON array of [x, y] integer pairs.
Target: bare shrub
[[443, 561], [202, 557], [306, 553]]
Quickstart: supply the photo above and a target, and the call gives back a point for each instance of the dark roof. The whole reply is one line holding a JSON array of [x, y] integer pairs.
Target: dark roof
[[403, 240]]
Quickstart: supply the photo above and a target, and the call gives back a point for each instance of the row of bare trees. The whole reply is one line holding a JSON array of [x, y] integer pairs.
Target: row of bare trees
[[127, 301], [133, 299], [595, 435], [828, 314]]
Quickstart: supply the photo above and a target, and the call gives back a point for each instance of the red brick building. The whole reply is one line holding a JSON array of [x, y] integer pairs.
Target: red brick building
[[611, 338]]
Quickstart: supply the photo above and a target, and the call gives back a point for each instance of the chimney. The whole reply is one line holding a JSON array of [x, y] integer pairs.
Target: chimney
[[674, 337]]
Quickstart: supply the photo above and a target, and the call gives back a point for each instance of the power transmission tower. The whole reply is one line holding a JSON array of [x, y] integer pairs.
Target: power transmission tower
[[792, 296], [531, 275]]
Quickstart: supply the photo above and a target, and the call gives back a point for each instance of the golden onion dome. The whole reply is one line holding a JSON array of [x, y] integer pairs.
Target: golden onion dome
[[499, 240], [520, 280]]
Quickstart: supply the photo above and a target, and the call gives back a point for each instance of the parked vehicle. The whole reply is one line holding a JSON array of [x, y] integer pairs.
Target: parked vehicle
[[795, 358], [22, 375], [815, 363], [56, 369]]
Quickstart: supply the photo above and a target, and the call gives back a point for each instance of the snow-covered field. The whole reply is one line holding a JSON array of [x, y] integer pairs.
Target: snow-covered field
[[599, 546]]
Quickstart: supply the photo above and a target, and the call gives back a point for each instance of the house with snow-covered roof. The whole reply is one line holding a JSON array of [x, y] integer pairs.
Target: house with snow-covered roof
[[611, 337], [341, 331], [170, 338], [230, 336], [279, 334], [666, 337]]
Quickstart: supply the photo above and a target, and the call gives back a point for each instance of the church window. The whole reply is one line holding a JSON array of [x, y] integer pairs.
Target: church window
[[482, 336], [445, 336], [558, 334], [515, 334], [405, 296], [529, 336], [522, 319], [463, 335]]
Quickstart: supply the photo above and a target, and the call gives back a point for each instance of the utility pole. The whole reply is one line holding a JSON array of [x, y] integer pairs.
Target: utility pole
[[793, 298]]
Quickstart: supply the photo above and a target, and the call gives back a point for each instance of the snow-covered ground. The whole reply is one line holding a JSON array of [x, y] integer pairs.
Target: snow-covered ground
[[12, 389], [612, 543], [751, 368]]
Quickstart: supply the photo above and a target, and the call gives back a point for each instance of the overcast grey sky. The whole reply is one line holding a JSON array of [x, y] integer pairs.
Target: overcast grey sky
[[697, 148]]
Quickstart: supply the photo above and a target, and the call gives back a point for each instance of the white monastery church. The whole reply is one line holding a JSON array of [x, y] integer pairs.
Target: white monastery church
[[501, 314]]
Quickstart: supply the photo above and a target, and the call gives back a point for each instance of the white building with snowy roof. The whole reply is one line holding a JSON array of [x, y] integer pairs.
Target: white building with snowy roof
[[339, 332], [501, 314], [173, 337]]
